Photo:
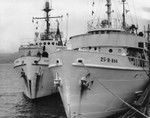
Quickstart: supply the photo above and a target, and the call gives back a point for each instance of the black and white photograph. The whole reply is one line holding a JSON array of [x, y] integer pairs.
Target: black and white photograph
[[74, 58]]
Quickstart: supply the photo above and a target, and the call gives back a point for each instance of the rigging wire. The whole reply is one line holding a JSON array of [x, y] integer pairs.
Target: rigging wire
[[93, 8], [117, 13], [135, 11], [131, 18], [116, 9], [100, 8]]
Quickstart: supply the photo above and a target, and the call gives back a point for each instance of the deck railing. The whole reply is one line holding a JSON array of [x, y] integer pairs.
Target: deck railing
[[103, 23]]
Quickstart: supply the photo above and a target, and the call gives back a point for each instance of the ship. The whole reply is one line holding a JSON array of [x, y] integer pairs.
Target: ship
[[32, 64], [101, 71]]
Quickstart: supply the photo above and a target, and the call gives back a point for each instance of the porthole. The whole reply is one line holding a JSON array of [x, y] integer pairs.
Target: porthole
[[57, 61], [44, 43], [48, 43], [40, 43], [53, 43], [110, 50], [95, 48]]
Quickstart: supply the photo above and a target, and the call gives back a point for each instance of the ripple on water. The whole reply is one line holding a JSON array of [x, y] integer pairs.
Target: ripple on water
[[13, 104]]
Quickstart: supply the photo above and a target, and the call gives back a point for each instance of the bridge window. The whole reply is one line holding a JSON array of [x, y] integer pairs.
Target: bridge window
[[96, 32], [108, 32], [141, 44], [138, 53], [102, 32]]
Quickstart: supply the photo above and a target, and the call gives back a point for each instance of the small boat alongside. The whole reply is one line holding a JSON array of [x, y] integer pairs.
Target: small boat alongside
[[100, 66], [32, 65]]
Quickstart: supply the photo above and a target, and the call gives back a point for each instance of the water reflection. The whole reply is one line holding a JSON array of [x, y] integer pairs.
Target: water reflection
[[16, 105], [13, 104], [48, 107]]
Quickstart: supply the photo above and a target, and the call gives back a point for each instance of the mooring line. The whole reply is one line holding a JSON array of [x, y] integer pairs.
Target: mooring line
[[123, 100]]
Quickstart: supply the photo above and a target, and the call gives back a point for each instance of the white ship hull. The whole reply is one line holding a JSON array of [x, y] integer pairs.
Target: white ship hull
[[36, 78], [105, 79]]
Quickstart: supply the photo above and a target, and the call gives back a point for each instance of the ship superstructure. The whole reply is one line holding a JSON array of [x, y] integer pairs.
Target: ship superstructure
[[32, 65], [107, 61]]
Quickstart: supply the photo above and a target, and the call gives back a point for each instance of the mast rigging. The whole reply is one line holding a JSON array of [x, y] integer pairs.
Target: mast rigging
[[47, 9], [123, 15], [108, 12]]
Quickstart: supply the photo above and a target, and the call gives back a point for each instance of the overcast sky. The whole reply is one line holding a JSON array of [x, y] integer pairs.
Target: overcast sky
[[16, 25]]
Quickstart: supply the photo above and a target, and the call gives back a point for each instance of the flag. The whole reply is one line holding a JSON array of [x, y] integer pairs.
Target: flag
[[93, 3], [127, 11], [58, 34], [92, 13]]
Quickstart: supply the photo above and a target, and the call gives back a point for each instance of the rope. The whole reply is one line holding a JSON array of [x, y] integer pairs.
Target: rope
[[86, 68], [131, 17], [146, 72], [123, 100]]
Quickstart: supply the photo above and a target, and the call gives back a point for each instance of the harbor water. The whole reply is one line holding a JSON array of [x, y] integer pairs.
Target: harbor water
[[13, 104]]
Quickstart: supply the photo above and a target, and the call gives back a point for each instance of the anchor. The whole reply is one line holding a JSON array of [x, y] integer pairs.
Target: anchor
[[86, 83]]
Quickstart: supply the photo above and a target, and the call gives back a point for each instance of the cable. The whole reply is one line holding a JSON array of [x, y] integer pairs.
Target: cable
[[135, 11], [146, 72], [130, 14], [122, 100], [117, 15]]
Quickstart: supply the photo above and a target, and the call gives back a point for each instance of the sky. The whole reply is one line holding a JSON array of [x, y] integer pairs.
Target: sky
[[16, 25]]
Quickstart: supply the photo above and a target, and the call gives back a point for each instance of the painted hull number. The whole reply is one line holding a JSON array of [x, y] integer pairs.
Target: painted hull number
[[109, 60]]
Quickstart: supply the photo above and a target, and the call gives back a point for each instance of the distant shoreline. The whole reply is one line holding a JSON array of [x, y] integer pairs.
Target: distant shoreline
[[8, 58]]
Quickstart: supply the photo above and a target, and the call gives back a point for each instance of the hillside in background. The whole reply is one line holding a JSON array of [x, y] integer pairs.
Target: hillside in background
[[8, 57]]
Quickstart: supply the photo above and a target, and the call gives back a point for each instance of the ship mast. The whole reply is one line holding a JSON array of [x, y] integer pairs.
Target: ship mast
[[148, 33], [108, 12], [47, 9], [123, 15]]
